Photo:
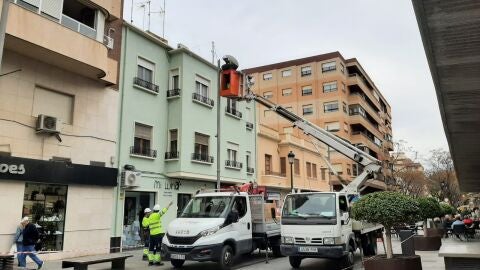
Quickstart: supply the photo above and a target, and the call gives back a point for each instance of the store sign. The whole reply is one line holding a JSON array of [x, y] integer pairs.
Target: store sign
[[167, 185], [12, 168]]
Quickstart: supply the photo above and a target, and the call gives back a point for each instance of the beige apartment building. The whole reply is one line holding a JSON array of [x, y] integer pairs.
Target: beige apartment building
[[58, 123], [334, 93]]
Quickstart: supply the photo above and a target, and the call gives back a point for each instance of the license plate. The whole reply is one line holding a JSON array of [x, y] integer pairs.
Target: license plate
[[178, 256], [308, 249]]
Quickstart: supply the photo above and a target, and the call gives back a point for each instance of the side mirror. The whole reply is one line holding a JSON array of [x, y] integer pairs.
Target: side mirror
[[273, 212]]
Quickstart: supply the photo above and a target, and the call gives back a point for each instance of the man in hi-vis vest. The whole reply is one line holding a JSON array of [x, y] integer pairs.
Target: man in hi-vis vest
[[154, 222]]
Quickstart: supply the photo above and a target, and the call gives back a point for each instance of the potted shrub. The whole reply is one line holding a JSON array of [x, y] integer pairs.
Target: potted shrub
[[389, 209], [432, 238]]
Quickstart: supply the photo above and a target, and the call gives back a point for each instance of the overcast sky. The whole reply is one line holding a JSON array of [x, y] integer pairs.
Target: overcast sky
[[382, 35]]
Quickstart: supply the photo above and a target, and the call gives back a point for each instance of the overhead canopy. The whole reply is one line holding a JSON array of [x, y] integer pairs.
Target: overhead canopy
[[451, 36]]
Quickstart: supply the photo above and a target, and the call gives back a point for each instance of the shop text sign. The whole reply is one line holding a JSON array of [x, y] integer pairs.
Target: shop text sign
[[12, 168], [168, 185]]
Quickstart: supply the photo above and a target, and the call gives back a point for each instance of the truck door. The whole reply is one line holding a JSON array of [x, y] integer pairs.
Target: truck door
[[345, 219], [244, 225]]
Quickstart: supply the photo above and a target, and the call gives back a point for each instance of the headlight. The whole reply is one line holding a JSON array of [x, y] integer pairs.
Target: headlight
[[287, 240], [210, 231], [329, 241]]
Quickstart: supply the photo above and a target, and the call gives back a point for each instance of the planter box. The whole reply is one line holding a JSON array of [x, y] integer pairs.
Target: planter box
[[434, 232], [427, 243], [398, 262]]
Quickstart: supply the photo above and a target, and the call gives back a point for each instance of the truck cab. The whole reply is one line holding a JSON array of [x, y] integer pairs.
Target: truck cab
[[317, 225], [215, 227]]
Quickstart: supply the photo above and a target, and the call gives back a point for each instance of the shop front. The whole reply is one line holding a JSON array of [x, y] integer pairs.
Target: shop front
[[64, 200]]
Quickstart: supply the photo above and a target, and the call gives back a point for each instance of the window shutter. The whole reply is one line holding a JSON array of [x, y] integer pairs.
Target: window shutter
[[143, 131], [35, 3], [173, 135], [332, 126], [201, 139], [52, 8]]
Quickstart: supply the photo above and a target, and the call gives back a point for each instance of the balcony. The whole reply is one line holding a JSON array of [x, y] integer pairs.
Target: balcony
[[358, 81], [233, 112], [232, 164], [143, 152], [172, 155], [364, 138], [203, 100], [249, 125], [356, 109], [360, 98], [250, 170], [145, 84], [47, 40], [173, 93], [202, 158]]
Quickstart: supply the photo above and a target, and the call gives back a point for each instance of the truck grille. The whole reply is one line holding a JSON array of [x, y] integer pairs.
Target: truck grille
[[300, 240], [317, 241], [180, 240], [181, 250]]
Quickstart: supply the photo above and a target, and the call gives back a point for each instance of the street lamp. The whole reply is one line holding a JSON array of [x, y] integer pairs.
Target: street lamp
[[291, 158]]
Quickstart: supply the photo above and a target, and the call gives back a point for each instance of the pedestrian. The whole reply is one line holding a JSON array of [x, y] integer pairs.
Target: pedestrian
[[146, 233], [30, 238], [154, 223], [467, 221], [18, 239]]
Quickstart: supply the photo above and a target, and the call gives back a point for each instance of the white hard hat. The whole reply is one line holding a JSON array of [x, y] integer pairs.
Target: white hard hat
[[147, 210], [156, 207]]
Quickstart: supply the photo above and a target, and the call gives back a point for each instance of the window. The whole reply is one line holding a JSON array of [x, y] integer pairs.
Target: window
[[173, 141], [283, 166], [247, 159], [306, 90], [349, 172], [268, 95], [330, 87], [332, 126], [54, 104], [231, 105], [268, 164], [330, 106], [145, 70], [267, 76], [45, 205], [306, 71], [330, 66], [77, 11], [232, 150], [357, 110], [287, 92], [344, 107], [182, 202], [201, 88], [201, 145], [142, 140], [354, 170], [175, 79], [323, 172], [342, 68], [307, 109], [309, 169], [296, 166], [240, 206], [314, 170], [342, 204], [286, 73], [337, 168]]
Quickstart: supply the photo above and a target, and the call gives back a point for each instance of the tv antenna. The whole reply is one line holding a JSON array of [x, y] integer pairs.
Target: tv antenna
[[147, 7]]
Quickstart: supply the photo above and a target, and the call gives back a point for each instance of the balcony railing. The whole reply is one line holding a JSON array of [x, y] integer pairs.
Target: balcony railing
[[250, 170], [366, 99], [205, 100], [145, 152], [233, 112], [233, 164], [172, 155], [173, 93], [202, 158], [280, 174], [78, 27], [249, 125], [146, 84]]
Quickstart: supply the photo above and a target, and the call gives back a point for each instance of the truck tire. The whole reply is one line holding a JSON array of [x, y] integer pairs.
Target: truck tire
[[177, 263], [348, 261], [295, 261], [226, 258], [276, 251]]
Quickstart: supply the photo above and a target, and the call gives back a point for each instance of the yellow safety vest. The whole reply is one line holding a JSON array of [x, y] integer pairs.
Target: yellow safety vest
[[154, 222]]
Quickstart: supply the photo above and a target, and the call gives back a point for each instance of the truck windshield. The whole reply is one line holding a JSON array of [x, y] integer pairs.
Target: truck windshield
[[304, 206], [207, 207]]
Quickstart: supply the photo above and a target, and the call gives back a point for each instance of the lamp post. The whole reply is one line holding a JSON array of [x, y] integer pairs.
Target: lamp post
[[291, 158]]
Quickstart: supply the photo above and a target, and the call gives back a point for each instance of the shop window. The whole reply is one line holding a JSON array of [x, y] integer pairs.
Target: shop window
[[45, 205], [133, 213]]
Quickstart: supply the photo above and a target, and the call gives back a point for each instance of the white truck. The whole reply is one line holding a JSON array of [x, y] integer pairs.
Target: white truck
[[217, 226]]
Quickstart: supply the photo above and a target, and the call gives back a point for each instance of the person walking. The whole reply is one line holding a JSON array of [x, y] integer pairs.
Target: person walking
[[154, 223], [18, 240], [30, 238], [146, 233]]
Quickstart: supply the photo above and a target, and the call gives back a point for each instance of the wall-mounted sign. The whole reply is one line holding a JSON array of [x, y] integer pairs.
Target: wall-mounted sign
[[167, 184]]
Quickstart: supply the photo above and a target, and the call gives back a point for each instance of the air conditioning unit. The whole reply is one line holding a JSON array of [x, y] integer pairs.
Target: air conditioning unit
[[48, 124], [130, 179], [108, 41]]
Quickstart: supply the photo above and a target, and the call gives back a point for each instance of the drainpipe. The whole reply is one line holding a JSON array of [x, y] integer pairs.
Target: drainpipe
[[218, 125], [3, 28]]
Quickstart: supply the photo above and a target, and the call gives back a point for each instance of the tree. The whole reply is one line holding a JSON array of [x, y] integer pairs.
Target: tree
[[442, 179], [388, 208], [447, 209], [429, 208]]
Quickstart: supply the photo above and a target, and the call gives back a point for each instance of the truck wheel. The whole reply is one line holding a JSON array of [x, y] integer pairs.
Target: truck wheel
[[276, 251], [295, 261], [226, 258], [177, 263], [348, 260]]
